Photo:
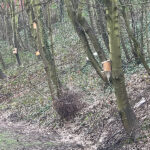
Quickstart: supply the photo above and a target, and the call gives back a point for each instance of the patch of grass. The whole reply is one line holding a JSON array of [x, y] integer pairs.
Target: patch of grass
[[49, 143], [7, 142]]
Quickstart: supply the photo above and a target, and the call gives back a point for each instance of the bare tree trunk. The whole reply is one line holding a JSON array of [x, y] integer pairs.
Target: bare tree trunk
[[135, 42], [2, 75], [124, 48], [147, 31], [89, 7], [15, 33], [126, 113], [142, 29], [24, 28], [2, 61], [82, 35], [92, 37], [42, 39], [100, 24], [61, 10]]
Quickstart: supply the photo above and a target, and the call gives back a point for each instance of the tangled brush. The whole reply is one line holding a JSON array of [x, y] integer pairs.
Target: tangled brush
[[68, 104]]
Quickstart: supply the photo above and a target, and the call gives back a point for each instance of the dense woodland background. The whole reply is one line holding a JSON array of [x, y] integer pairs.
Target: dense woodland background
[[52, 75]]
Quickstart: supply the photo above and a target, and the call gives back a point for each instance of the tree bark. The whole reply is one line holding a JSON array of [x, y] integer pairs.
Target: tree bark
[[90, 12], [135, 42], [124, 48], [14, 25], [100, 24], [2, 61], [42, 39], [2, 75], [147, 30], [88, 30], [82, 35], [126, 113], [24, 27]]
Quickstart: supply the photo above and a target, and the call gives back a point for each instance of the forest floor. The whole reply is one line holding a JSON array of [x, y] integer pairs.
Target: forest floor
[[25, 136], [95, 127]]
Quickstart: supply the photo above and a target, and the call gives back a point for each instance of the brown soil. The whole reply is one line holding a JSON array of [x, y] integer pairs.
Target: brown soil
[[96, 127], [20, 135]]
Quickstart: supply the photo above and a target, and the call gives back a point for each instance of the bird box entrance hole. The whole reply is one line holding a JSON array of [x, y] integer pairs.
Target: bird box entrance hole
[[15, 51]]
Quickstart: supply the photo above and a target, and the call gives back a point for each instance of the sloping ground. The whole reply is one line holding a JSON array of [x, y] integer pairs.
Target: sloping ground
[[99, 127], [96, 127], [25, 136]]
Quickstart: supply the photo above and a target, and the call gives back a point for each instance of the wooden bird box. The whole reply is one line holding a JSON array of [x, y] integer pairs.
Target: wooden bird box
[[34, 25], [15, 51], [107, 66], [37, 53]]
